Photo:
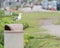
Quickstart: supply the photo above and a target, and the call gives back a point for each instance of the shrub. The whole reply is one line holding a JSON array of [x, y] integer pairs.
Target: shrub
[[1, 12], [1, 46], [1, 38], [25, 25], [26, 39], [31, 37], [14, 14]]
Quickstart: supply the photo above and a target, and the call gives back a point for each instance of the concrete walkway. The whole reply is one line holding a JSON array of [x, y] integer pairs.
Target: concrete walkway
[[36, 8], [50, 27]]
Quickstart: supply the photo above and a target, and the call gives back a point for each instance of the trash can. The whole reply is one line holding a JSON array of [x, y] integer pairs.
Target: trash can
[[13, 36]]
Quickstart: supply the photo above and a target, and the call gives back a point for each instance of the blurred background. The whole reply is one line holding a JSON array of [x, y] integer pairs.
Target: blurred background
[[35, 14], [44, 4]]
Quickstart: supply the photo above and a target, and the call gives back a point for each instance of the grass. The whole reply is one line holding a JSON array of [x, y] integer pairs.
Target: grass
[[33, 19], [42, 40], [57, 22], [44, 43]]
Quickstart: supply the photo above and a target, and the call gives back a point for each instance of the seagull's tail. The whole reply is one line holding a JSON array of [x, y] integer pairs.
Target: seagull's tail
[[15, 19]]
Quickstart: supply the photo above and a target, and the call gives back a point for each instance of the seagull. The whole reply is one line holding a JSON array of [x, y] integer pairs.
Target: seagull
[[18, 17]]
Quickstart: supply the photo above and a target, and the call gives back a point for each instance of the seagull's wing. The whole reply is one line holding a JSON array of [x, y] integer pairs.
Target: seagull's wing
[[15, 19]]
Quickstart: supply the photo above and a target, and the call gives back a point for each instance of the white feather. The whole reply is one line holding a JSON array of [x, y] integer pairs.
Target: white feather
[[19, 17]]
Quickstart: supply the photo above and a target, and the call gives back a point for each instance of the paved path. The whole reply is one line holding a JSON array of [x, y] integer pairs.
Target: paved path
[[36, 8], [52, 29]]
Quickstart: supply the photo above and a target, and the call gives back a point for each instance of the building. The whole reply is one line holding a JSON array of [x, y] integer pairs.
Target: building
[[58, 0], [5, 3], [1, 3]]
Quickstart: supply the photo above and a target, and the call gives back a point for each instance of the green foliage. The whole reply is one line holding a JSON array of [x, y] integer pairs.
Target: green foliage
[[1, 38], [31, 37], [1, 46], [26, 39], [25, 25], [1, 11], [14, 14], [4, 21]]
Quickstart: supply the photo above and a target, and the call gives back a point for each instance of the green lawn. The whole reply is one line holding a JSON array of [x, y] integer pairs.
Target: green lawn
[[44, 43], [33, 20]]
